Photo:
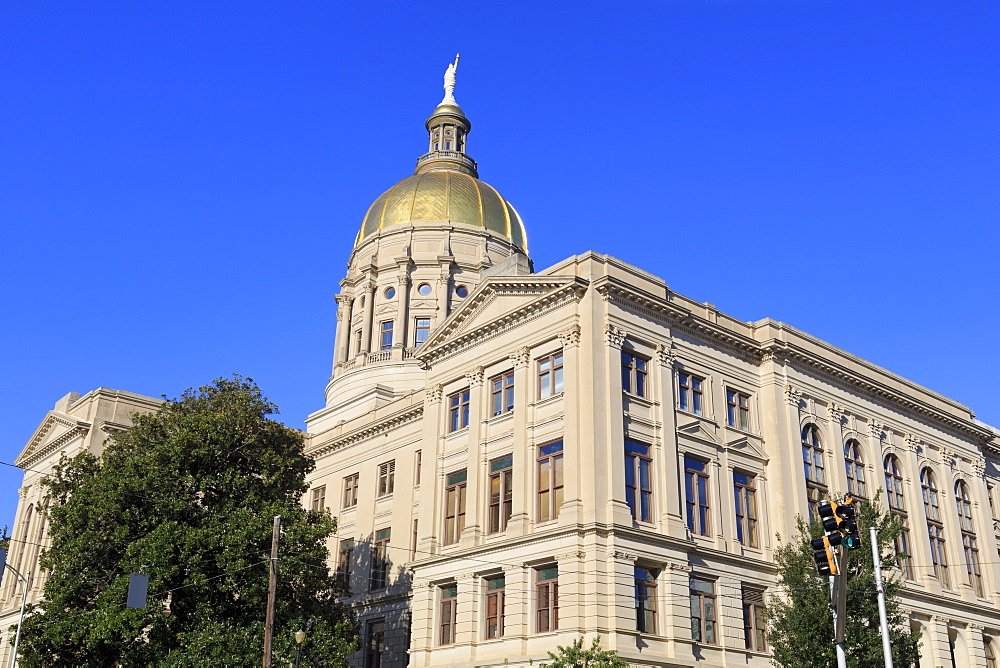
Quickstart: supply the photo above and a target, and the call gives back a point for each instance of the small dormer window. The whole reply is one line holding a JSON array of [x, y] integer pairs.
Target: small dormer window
[[447, 146]]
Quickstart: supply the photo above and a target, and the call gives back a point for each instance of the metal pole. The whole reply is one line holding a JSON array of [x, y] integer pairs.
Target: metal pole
[[835, 585], [272, 588], [883, 621], [24, 599]]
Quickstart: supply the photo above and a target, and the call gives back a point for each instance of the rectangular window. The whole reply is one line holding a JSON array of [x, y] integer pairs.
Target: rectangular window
[[745, 494], [319, 498], [501, 492], [547, 599], [454, 506], [638, 481], [449, 615], [375, 644], [502, 393], [972, 562], [902, 544], [421, 328], [738, 410], [345, 555], [634, 374], [380, 560], [754, 630], [689, 392], [386, 478], [416, 469], [703, 616], [696, 496], [351, 490], [386, 340], [458, 410], [645, 600], [550, 375], [357, 341], [550, 480], [495, 587], [935, 533], [413, 542]]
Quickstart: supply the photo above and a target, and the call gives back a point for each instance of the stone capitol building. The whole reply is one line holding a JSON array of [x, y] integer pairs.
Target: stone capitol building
[[516, 457]]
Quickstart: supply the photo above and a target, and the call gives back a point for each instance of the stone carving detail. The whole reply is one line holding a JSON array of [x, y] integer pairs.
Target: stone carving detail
[[678, 566], [666, 353], [475, 377], [875, 429], [793, 397], [949, 457], [975, 627], [914, 443], [433, 394], [22, 492], [979, 468], [520, 357], [570, 337], [403, 281], [622, 556], [616, 337], [836, 413]]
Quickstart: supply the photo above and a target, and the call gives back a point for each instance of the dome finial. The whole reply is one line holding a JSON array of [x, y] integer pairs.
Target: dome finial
[[449, 82]]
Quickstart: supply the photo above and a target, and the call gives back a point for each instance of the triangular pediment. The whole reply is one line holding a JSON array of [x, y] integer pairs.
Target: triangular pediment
[[500, 299], [701, 430], [56, 427], [749, 446]]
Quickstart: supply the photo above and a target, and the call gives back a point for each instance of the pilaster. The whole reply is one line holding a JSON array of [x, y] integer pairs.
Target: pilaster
[[523, 465]]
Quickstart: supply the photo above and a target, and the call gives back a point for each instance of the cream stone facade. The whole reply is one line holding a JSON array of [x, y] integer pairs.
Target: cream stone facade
[[516, 458]]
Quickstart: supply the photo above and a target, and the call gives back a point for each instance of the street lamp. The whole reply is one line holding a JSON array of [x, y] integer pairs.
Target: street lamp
[[26, 579], [299, 637]]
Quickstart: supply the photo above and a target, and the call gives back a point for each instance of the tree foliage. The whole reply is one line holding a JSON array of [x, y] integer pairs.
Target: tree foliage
[[575, 656], [800, 625], [187, 495]]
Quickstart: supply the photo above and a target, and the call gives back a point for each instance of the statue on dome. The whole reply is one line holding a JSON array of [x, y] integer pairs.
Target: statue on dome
[[449, 82]]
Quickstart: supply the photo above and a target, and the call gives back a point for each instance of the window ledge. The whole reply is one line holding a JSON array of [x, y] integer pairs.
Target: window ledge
[[549, 400], [638, 398], [494, 419]]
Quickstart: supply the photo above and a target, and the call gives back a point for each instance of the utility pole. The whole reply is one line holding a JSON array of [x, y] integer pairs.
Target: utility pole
[[272, 590], [879, 587], [838, 605]]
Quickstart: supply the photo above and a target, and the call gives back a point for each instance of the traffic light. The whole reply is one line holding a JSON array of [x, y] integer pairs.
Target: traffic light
[[826, 564], [848, 524]]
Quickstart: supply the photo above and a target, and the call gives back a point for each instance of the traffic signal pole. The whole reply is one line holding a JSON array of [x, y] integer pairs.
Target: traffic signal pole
[[838, 605], [882, 618]]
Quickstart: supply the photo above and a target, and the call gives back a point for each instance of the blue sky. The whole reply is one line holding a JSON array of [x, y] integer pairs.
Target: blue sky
[[181, 183]]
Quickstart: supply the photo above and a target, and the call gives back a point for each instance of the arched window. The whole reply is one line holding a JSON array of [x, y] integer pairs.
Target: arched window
[[991, 655], [812, 460], [897, 507], [935, 527], [855, 469], [969, 547]]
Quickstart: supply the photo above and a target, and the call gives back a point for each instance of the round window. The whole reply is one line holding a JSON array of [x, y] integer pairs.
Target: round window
[[424, 289], [462, 291], [390, 293]]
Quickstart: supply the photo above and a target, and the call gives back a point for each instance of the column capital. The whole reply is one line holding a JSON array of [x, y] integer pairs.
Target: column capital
[[570, 336], [666, 353], [616, 337], [520, 356], [475, 377], [793, 396]]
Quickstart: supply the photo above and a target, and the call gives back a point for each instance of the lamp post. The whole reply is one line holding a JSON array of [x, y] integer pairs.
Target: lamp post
[[299, 637], [26, 579]]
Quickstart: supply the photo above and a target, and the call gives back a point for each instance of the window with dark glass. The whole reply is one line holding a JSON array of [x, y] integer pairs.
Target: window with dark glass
[[458, 410], [416, 468], [414, 536], [351, 491], [421, 328], [502, 393], [935, 526], [634, 374], [638, 480], [454, 506], [812, 459], [689, 393], [495, 587], [855, 470], [357, 341], [345, 555], [386, 478], [745, 493], [754, 629], [386, 340], [547, 599], [501, 492], [550, 375], [374, 644], [703, 614], [970, 549], [380, 560], [645, 600], [897, 507], [991, 655], [449, 614], [319, 497], [696, 496], [550, 480], [738, 410]]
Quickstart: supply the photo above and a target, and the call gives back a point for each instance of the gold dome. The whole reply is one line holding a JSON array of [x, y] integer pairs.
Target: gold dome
[[437, 197]]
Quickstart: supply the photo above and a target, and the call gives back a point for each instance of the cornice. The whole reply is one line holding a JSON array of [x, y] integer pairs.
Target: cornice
[[37, 451], [368, 431], [564, 290]]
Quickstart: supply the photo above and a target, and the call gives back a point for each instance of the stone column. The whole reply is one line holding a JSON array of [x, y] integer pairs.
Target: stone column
[[522, 505], [571, 591], [669, 477], [368, 293], [432, 478], [474, 497], [613, 455], [402, 309], [570, 512], [343, 343]]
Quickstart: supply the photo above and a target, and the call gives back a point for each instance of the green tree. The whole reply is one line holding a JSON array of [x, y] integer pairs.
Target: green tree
[[800, 625], [187, 495], [575, 656]]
